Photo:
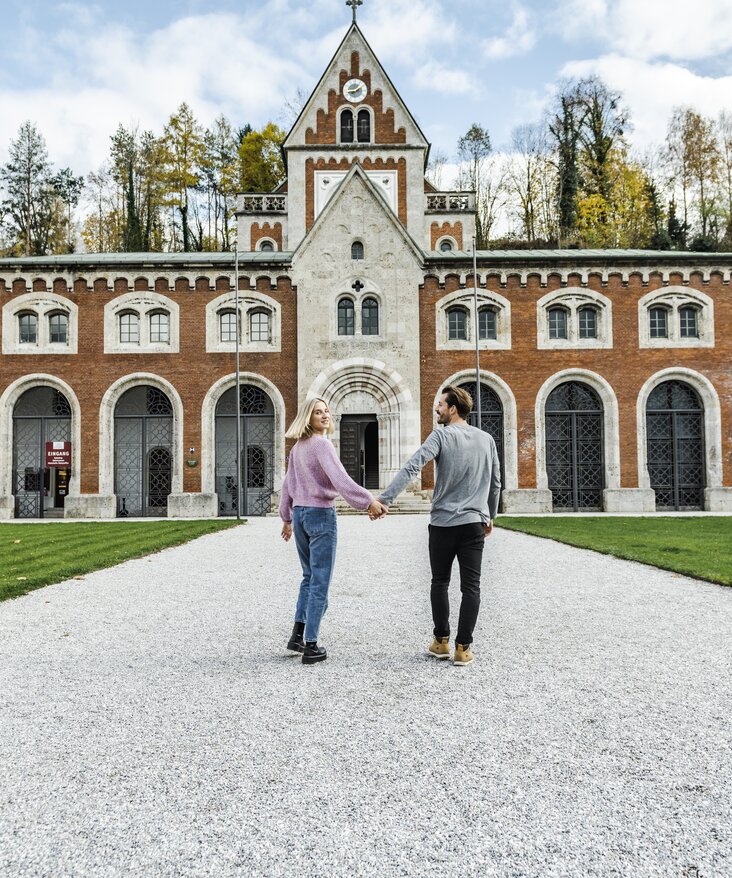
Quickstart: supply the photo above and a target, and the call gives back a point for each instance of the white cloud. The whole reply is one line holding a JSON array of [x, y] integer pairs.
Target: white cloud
[[445, 80], [652, 90], [407, 31], [518, 39]]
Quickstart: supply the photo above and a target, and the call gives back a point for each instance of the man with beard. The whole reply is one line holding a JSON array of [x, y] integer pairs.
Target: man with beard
[[464, 506]]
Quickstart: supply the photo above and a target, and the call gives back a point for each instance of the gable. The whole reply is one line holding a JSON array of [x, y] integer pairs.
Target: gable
[[355, 59]]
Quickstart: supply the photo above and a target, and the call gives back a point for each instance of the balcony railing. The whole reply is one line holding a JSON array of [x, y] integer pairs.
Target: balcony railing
[[261, 203], [451, 201]]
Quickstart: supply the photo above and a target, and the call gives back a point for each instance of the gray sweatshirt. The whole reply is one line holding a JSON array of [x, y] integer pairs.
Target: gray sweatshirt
[[468, 482]]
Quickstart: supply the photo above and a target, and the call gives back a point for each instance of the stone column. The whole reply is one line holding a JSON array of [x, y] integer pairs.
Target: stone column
[[388, 447]]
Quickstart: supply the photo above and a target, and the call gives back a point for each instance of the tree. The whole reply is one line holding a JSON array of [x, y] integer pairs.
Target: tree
[[477, 173], [603, 122], [68, 188], [530, 181], [724, 134], [27, 208], [184, 149], [219, 168], [564, 126], [261, 168]]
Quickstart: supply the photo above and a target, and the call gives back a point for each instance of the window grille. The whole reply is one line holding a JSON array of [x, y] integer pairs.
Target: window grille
[[364, 126], [346, 126], [587, 323], [487, 323], [227, 326], [457, 325], [28, 325], [58, 328], [659, 322], [346, 317], [688, 322], [557, 323], [370, 317], [129, 328], [160, 327], [259, 326], [357, 250]]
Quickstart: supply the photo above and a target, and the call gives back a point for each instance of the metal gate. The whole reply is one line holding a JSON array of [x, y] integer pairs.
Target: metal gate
[[41, 415], [256, 466], [574, 447], [143, 452], [675, 446], [491, 416]]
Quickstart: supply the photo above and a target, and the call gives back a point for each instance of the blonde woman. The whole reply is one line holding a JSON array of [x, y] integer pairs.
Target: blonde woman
[[315, 476]]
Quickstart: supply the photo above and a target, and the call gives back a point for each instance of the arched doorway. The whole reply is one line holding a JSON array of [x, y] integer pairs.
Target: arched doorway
[[143, 452], [41, 415], [491, 416], [675, 445], [256, 468], [574, 447]]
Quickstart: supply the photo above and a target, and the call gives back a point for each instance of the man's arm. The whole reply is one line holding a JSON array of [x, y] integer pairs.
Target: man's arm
[[494, 493], [412, 468]]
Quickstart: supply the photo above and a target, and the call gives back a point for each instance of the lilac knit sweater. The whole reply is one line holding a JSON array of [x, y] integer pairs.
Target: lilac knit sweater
[[315, 476]]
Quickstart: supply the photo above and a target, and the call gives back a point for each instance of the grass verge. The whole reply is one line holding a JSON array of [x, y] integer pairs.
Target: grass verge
[[34, 555], [700, 547]]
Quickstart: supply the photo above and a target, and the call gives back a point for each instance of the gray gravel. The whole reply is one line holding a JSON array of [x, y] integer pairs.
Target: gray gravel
[[151, 724]]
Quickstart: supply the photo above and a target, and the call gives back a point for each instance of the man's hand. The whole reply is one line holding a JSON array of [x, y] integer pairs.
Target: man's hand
[[286, 530], [377, 510], [488, 529]]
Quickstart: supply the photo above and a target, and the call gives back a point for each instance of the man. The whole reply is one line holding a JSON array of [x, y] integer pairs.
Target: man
[[464, 505]]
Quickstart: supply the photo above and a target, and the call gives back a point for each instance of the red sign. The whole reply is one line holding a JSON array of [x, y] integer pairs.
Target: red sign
[[58, 454]]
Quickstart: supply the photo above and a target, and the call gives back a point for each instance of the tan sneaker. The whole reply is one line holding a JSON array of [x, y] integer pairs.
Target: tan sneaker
[[440, 648], [463, 655]]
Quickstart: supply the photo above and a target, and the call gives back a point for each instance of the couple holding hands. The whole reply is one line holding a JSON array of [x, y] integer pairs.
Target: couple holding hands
[[464, 505]]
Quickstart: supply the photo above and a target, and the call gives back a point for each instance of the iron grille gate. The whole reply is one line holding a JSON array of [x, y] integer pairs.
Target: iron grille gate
[[675, 446], [256, 466], [574, 447], [143, 452], [41, 415], [491, 416]]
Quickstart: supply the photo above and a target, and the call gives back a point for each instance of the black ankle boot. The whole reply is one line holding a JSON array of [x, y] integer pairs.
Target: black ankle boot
[[313, 653], [296, 642]]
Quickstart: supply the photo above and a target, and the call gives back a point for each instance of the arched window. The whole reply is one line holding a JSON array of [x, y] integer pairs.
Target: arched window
[[259, 326], [266, 247], [346, 317], [227, 325], [557, 322], [28, 328], [457, 324], [446, 246], [487, 323], [370, 317], [160, 327], [58, 328], [346, 126], [658, 318], [587, 322], [689, 322], [129, 327], [364, 126], [357, 250]]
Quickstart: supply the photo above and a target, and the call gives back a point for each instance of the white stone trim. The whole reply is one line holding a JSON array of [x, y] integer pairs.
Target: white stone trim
[[675, 298], [106, 428], [267, 240], [574, 298], [249, 300], [43, 305], [208, 427], [449, 238], [611, 432], [397, 410], [9, 398], [510, 418], [370, 291], [464, 298], [143, 303], [712, 422]]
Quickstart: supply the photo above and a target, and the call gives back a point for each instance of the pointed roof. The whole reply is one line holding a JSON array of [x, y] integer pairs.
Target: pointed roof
[[353, 31], [358, 172]]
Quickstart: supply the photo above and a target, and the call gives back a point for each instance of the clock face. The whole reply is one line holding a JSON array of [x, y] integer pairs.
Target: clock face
[[354, 90]]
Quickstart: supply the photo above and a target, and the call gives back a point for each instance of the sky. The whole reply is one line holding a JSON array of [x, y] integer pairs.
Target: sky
[[79, 69]]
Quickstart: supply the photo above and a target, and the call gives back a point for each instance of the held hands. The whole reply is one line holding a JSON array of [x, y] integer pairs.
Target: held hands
[[286, 530], [377, 510]]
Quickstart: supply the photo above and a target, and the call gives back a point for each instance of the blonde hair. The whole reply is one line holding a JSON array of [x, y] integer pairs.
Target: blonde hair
[[300, 428]]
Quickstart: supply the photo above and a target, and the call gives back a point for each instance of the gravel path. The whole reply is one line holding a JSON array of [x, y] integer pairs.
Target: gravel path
[[151, 725]]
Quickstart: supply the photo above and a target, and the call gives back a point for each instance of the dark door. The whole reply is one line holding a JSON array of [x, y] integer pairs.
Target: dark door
[[675, 446], [360, 449], [574, 458]]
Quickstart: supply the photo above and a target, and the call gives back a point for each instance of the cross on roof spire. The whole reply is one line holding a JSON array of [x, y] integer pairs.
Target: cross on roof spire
[[354, 4]]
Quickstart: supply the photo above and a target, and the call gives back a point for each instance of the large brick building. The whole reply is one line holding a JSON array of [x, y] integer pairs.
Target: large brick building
[[606, 375]]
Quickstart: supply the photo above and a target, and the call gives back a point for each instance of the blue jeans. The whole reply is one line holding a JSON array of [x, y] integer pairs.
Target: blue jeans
[[315, 537]]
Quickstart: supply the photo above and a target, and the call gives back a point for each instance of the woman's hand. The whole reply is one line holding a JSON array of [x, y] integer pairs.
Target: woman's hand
[[286, 530], [377, 510]]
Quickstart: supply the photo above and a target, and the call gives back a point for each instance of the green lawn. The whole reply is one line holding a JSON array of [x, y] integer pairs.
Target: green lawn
[[33, 555], [700, 547]]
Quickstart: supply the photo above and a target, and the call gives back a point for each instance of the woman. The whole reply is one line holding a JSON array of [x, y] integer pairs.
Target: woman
[[315, 476]]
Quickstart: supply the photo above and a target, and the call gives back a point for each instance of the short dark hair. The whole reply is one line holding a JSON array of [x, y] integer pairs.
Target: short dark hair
[[459, 398]]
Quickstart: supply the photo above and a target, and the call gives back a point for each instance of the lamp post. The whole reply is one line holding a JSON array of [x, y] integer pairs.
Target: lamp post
[[477, 335], [238, 385]]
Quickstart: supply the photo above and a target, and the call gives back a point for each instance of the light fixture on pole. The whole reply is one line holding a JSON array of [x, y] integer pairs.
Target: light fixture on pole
[[238, 384], [479, 420]]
